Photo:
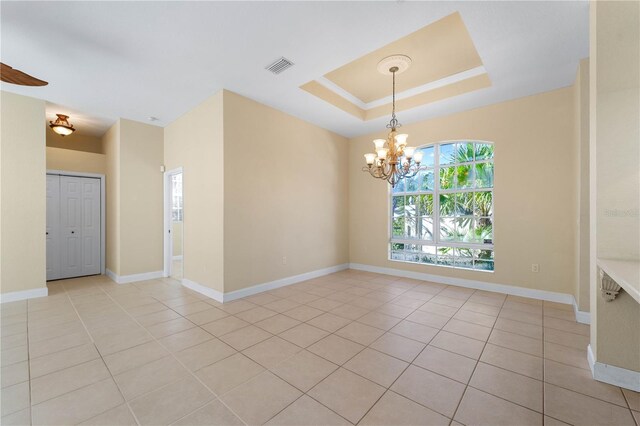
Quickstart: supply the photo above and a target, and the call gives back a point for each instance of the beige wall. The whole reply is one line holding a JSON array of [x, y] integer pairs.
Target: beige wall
[[195, 142], [111, 143], [535, 191], [615, 132], [76, 161], [22, 193], [581, 105], [74, 141], [285, 195], [141, 198]]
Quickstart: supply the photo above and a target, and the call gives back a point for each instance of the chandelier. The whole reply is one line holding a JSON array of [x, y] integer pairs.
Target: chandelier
[[393, 160]]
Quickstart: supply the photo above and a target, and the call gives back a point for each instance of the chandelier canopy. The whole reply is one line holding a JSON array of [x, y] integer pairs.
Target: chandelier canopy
[[393, 159]]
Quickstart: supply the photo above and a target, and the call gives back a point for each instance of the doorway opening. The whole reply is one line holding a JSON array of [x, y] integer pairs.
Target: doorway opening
[[174, 224]]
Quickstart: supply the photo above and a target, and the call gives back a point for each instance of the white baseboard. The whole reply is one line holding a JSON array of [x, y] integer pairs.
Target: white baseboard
[[178, 257], [613, 375], [259, 288], [125, 279], [550, 296], [14, 296], [207, 291], [581, 316]]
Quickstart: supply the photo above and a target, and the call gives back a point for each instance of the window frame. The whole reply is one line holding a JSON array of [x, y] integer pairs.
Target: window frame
[[436, 192]]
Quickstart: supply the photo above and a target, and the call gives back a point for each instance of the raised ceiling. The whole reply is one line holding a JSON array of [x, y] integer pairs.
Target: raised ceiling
[[140, 59]]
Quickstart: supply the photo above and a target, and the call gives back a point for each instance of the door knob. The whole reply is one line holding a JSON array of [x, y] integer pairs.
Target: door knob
[[47, 233], [73, 232]]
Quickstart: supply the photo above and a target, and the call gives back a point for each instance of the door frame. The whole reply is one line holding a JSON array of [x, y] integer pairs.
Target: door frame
[[103, 209], [168, 255]]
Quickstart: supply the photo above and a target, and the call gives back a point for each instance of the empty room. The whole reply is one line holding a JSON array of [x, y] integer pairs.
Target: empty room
[[320, 213]]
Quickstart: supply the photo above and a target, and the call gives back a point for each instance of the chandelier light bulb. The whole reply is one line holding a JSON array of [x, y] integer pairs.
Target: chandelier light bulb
[[382, 153], [370, 158], [408, 152], [401, 139], [379, 143], [417, 157]]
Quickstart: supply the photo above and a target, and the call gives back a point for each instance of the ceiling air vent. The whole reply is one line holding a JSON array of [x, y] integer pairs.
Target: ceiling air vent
[[280, 65]]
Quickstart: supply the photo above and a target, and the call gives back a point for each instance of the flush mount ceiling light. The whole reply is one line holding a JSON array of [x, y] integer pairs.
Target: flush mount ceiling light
[[393, 160], [62, 126]]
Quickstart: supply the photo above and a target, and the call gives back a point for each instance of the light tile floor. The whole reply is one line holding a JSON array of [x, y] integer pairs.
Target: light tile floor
[[351, 347]]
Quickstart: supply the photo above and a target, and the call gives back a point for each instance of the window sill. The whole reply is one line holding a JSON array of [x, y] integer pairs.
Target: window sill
[[442, 266]]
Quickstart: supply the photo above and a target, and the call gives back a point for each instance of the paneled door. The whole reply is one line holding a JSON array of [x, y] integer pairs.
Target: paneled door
[[53, 227], [73, 226]]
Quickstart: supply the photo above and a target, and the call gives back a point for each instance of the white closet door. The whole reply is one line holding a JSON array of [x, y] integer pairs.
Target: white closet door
[[70, 226], [90, 226], [53, 227]]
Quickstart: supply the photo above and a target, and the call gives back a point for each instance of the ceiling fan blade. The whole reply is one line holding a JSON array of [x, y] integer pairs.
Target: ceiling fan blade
[[14, 76]]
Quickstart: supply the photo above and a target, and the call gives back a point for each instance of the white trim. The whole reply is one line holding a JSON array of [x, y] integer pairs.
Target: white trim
[[103, 210], [14, 296], [204, 290], [581, 316], [168, 256], [613, 375], [550, 296], [259, 288], [179, 257], [125, 279]]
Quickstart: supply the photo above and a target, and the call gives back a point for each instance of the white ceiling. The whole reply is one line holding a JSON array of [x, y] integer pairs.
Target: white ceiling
[[140, 59]]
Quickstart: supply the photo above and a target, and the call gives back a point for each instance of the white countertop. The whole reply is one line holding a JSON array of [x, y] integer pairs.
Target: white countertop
[[624, 272]]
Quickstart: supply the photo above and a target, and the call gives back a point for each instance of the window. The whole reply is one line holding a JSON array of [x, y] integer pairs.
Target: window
[[176, 198], [444, 215]]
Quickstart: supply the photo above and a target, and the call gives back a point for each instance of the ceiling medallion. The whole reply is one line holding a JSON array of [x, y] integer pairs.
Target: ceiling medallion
[[393, 160], [62, 126]]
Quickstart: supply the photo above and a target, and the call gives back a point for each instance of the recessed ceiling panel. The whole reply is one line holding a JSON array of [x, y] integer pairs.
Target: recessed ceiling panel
[[440, 49]]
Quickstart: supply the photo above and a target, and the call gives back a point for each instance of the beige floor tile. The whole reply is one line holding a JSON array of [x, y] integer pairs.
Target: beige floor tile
[[143, 310], [408, 302], [271, 352], [277, 323], [518, 362], [428, 319], [448, 364], [179, 301], [522, 328], [376, 366], [304, 370], [307, 412], [207, 353], [329, 322], [550, 421], [576, 341], [57, 344], [14, 374], [324, 304], [168, 328], [559, 314], [581, 381], [8, 330], [482, 308], [206, 316], [335, 349], [119, 416], [575, 408], [237, 306], [87, 402], [495, 300], [349, 311], [245, 337], [149, 377], [67, 380], [429, 389], [379, 320], [348, 394], [214, 413], [63, 359], [157, 317], [522, 306], [415, 331], [475, 318], [13, 341], [19, 418], [256, 314], [281, 305], [191, 308], [467, 329], [395, 310], [134, 357], [458, 344], [398, 346], [566, 355], [261, 398], [516, 342], [185, 339], [394, 409], [636, 416], [438, 309], [224, 325], [505, 384], [303, 335], [14, 398], [262, 299], [225, 375], [633, 399], [360, 333], [170, 403], [480, 408], [516, 315], [303, 313], [568, 326], [448, 301], [118, 341]]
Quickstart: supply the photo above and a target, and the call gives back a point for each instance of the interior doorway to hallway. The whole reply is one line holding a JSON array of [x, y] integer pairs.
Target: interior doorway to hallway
[[174, 224]]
